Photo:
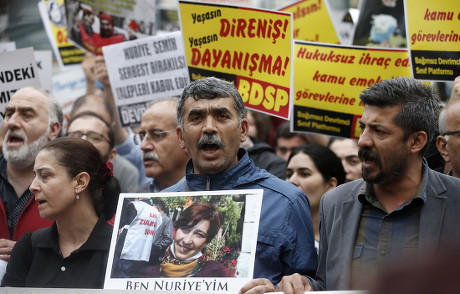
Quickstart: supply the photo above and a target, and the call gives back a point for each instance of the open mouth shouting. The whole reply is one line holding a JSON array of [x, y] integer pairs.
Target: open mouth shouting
[[210, 143], [15, 139]]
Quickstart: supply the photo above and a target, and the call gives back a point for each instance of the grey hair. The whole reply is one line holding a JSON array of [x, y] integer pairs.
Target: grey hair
[[54, 111], [442, 121], [210, 88]]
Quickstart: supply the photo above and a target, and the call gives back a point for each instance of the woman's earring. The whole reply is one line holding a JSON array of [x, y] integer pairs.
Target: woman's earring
[[77, 196]]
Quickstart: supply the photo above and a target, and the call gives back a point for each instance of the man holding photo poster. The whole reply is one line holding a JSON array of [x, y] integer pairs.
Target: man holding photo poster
[[211, 127]]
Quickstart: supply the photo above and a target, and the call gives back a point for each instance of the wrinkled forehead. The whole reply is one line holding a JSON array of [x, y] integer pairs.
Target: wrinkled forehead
[[192, 103], [160, 115], [30, 98]]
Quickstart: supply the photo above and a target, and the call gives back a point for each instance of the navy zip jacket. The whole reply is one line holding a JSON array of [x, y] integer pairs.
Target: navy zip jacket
[[285, 242]]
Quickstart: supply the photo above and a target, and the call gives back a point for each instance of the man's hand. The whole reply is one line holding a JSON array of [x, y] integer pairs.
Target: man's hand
[[101, 72], [295, 283], [257, 286], [6, 246]]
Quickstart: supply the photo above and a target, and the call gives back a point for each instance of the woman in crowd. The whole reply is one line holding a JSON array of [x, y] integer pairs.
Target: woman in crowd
[[196, 226], [315, 169], [74, 187]]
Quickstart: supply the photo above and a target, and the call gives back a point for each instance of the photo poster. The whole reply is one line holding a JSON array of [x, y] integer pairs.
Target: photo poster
[[434, 39], [312, 21], [92, 24], [18, 69], [381, 23], [144, 70], [329, 79], [251, 48], [142, 257], [52, 13]]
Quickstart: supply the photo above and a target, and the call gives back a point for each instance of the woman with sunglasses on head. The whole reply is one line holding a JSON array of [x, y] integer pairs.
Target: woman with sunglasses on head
[[75, 188]]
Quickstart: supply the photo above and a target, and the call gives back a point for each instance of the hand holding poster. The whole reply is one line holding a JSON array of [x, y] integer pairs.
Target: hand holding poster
[[18, 69], [144, 70], [249, 47], [187, 241], [329, 79], [434, 39]]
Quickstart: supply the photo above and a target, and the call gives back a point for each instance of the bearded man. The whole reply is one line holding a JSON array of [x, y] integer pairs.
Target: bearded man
[[32, 119], [401, 210]]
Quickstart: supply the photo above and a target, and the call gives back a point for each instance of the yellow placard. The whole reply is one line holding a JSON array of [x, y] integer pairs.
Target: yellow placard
[[329, 78], [68, 53], [249, 47], [434, 38], [312, 21]]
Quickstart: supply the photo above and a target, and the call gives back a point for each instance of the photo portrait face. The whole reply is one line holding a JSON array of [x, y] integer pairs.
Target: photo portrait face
[[189, 241]]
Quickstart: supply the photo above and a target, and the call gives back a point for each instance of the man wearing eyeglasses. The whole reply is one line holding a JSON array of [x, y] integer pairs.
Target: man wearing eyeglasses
[[448, 142], [92, 127], [164, 159]]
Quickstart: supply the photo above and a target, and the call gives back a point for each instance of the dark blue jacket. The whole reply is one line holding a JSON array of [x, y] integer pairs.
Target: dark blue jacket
[[285, 243]]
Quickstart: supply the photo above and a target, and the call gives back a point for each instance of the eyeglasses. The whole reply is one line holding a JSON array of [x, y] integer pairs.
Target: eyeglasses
[[153, 134], [91, 136]]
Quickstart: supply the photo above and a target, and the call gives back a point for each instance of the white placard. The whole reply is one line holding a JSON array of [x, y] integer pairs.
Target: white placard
[[18, 69], [222, 254], [144, 70]]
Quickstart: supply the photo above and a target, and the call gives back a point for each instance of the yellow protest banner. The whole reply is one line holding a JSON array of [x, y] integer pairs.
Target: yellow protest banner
[[248, 47], [312, 21], [434, 38], [328, 80]]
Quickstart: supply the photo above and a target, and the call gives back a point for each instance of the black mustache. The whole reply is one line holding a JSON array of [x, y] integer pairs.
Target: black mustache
[[365, 154], [210, 139]]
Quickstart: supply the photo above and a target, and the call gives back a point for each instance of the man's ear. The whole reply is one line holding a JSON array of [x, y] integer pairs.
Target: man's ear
[[332, 183], [54, 130], [418, 140], [180, 137], [441, 144], [244, 129]]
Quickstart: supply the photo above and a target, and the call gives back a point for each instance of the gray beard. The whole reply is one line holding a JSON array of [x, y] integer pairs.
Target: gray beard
[[24, 156]]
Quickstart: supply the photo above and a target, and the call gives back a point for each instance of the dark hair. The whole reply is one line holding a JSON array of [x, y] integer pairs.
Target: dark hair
[[284, 131], [327, 163], [110, 132], [419, 110], [210, 88], [78, 155], [160, 204], [263, 125], [82, 100], [197, 212]]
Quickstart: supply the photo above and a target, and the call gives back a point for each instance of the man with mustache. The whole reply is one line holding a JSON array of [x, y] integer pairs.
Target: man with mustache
[[401, 210], [212, 125], [32, 118], [164, 160], [448, 141]]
